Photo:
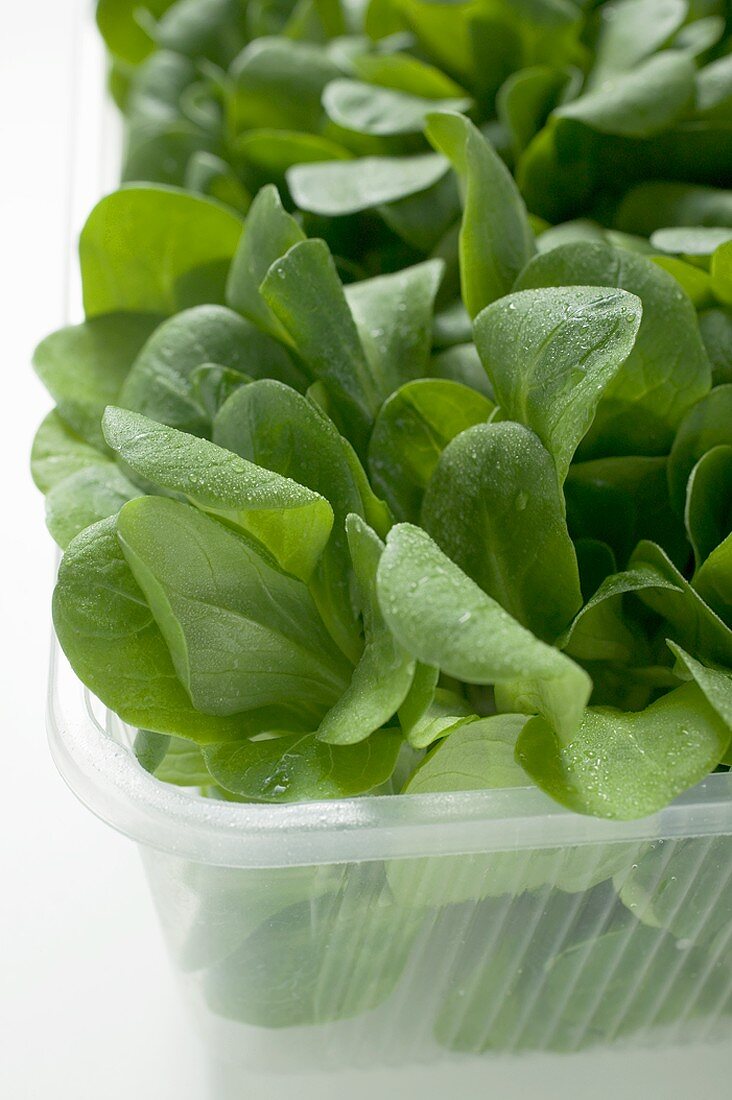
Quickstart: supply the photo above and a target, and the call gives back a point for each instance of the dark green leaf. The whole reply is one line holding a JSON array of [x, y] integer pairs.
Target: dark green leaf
[[242, 635], [666, 371], [292, 522], [551, 354], [278, 429], [443, 618], [109, 635], [304, 292], [708, 424], [495, 507], [278, 82], [84, 366], [161, 385], [708, 512], [412, 429], [268, 233], [384, 672], [495, 239]]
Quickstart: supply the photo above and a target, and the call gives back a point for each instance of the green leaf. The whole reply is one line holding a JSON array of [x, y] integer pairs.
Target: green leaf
[[291, 521], [155, 250], [632, 30], [299, 767], [277, 82], [214, 29], [337, 188], [495, 238], [172, 759], [713, 580], [461, 363], [280, 430], [385, 671], [716, 683], [694, 281], [446, 712], [551, 354], [694, 623], [332, 956], [305, 294], [601, 631], [212, 385], [269, 232], [666, 371], [495, 507], [721, 271], [406, 73], [271, 152], [84, 366], [423, 220], [420, 697], [443, 618], [652, 205], [706, 425], [411, 431], [698, 240], [84, 498], [679, 888], [107, 631], [478, 756], [708, 512], [150, 748], [715, 326], [526, 98], [641, 102], [622, 500], [58, 452], [393, 316], [369, 109], [627, 765], [161, 384], [123, 29], [242, 635], [211, 176]]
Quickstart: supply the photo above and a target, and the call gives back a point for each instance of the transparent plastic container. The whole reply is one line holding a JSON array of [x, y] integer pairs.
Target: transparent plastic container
[[509, 943], [479, 943]]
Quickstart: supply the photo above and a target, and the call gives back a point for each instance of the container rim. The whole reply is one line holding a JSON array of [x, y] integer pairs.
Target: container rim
[[106, 777]]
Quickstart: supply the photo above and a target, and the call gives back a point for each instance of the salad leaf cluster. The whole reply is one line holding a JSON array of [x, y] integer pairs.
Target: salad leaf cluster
[[394, 452]]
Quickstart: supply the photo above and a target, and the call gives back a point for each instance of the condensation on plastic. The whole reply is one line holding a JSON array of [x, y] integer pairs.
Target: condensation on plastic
[[490, 935], [325, 938]]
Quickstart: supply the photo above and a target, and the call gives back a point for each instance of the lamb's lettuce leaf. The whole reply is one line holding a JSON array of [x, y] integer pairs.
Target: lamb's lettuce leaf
[[552, 353], [495, 237], [300, 767], [512, 540], [292, 522], [241, 634], [150, 249], [626, 765], [440, 616]]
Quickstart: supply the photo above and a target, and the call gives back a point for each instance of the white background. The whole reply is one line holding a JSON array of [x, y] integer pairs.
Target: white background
[[88, 1008], [87, 1003]]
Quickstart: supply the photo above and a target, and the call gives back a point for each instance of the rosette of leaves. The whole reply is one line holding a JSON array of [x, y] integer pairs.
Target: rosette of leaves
[[329, 496]]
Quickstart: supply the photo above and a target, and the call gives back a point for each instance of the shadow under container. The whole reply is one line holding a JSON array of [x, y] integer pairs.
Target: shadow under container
[[490, 943]]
